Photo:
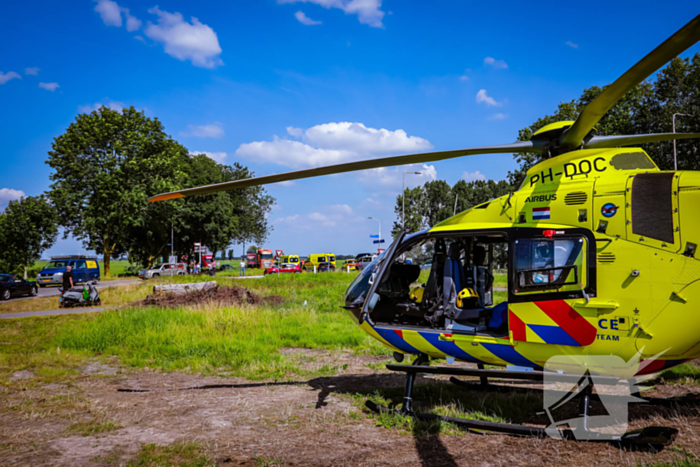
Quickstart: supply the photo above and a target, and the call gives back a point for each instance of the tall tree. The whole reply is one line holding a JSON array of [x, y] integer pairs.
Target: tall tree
[[415, 209], [252, 249], [27, 228], [106, 165], [439, 202], [470, 194]]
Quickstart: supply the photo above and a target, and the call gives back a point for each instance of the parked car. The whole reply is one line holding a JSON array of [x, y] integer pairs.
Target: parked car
[[284, 268], [364, 262], [350, 264], [10, 286], [325, 267], [164, 269], [226, 267], [84, 268]]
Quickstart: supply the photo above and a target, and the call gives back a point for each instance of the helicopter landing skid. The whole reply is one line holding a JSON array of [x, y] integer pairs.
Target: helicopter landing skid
[[684, 400], [649, 438]]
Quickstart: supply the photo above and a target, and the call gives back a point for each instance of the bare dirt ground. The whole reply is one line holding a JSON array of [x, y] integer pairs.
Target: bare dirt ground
[[106, 416]]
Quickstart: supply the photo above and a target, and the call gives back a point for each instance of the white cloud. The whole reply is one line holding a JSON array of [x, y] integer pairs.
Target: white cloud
[[296, 132], [498, 64], [473, 176], [31, 71], [367, 11], [213, 130], [194, 41], [8, 194], [483, 97], [464, 78], [392, 177], [132, 22], [305, 20], [498, 116], [49, 86], [110, 12], [140, 38], [219, 157], [5, 77], [337, 215], [571, 44], [114, 105], [332, 143]]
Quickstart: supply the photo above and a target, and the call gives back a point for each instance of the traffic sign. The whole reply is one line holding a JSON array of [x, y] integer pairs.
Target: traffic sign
[[378, 241], [374, 236], [279, 253]]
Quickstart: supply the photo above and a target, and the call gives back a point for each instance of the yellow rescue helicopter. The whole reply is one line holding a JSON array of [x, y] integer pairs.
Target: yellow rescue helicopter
[[602, 261]]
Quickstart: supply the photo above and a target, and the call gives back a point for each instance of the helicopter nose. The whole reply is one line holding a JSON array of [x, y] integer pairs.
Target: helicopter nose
[[674, 333]]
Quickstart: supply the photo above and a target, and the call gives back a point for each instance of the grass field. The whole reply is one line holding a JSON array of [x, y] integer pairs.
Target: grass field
[[241, 340], [309, 369]]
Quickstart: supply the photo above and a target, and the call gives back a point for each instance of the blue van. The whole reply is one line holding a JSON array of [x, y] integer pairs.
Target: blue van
[[85, 269]]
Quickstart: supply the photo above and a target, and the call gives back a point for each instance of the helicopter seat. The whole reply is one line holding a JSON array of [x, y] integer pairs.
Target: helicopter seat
[[453, 282]]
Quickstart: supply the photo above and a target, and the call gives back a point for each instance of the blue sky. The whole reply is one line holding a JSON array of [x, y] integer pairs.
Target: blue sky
[[282, 85]]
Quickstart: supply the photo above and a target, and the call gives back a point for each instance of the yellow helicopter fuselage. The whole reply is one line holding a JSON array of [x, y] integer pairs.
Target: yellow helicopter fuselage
[[643, 226]]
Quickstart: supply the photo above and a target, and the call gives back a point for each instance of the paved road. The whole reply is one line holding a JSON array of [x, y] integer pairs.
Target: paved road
[[62, 311], [53, 290]]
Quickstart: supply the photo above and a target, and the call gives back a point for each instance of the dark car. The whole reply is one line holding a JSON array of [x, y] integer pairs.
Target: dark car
[[14, 287], [226, 267], [324, 267]]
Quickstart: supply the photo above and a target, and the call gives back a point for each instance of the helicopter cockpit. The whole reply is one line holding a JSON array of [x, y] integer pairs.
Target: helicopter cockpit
[[446, 281]]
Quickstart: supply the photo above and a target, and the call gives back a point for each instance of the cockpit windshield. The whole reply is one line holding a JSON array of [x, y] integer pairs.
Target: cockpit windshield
[[357, 292]]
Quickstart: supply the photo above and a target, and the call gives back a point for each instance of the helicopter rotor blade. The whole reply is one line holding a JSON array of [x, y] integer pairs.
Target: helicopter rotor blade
[[628, 140], [520, 147], [671, 47]]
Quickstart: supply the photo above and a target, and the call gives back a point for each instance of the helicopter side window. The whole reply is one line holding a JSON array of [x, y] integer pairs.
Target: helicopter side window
[[550, 265]]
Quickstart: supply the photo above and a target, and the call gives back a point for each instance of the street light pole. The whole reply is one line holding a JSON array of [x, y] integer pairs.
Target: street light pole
[[403, 199], [379, 244], [673, 120], [172, 239]]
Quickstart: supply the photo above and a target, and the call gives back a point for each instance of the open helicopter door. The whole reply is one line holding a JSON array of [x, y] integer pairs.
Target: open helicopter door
[[548, 270], [385, 261]]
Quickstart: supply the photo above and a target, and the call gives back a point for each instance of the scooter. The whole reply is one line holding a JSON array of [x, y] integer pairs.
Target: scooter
[[87, 296]]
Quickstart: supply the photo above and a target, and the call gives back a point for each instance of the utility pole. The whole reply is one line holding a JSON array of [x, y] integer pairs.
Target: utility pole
[[673, 120], [455, 211], [172, 239]]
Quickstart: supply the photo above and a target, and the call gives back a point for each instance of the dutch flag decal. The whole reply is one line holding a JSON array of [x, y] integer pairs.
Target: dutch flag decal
[[540, 213]]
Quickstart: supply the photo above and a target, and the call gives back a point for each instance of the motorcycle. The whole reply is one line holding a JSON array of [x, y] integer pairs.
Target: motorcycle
[[87, 296]]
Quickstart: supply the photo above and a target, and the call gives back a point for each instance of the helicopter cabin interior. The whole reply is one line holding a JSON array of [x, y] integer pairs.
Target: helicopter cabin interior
[[446, 281]]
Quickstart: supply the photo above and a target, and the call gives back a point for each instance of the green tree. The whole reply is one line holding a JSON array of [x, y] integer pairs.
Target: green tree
[[252, 249], [106, 165], [230, 255], [439, 202], [415, 210], [27, 228], [219, 219], [470, 194]]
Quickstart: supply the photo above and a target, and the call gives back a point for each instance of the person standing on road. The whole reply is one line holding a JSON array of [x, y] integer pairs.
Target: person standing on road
[[242, 268], [68, 279]]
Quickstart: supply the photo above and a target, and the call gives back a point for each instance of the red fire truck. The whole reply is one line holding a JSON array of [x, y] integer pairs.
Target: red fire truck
[[251, 260]]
